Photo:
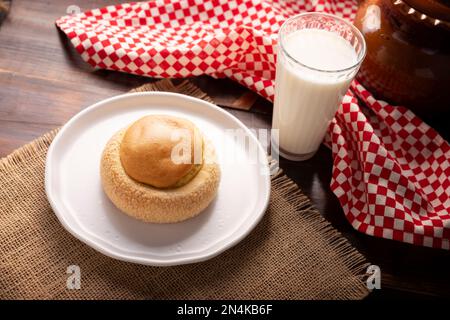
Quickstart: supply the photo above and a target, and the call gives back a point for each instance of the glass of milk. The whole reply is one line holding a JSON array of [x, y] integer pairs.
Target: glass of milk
[[318, 56]]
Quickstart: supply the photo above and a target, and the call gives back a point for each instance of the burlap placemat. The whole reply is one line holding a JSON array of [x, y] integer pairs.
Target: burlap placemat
[[292, 254]]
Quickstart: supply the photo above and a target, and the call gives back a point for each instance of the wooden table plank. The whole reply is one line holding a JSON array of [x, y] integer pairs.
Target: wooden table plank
[[43, 82]]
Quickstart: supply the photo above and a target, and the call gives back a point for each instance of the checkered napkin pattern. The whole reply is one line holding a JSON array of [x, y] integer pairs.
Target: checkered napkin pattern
[[390, 170]]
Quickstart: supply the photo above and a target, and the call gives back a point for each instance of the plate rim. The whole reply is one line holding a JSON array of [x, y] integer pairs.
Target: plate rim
[[80, 234]]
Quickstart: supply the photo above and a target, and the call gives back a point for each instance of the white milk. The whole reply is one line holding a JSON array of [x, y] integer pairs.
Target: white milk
[[305, 99]]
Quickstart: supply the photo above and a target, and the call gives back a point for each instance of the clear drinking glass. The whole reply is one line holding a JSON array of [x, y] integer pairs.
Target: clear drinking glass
[[318, 56]]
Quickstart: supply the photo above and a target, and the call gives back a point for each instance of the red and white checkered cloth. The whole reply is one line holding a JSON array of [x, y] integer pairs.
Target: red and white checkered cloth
[[391, 171]]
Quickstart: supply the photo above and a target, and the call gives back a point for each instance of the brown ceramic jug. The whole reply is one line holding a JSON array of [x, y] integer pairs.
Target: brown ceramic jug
[[408, 52]]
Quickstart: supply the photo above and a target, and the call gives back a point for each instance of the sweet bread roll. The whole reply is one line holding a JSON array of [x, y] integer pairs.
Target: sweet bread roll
[[160, 169]]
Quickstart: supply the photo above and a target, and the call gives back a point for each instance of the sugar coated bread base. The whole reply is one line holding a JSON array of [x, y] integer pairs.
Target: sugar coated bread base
[[152, 204]]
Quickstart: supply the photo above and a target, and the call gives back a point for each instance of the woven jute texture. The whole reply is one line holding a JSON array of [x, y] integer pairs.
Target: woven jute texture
[[292, 254]]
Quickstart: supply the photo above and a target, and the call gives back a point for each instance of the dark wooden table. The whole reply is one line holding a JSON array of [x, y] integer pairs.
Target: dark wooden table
[[44, 82]]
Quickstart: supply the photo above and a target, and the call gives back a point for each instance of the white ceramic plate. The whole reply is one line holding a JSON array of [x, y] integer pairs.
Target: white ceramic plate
[[73, 186]]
